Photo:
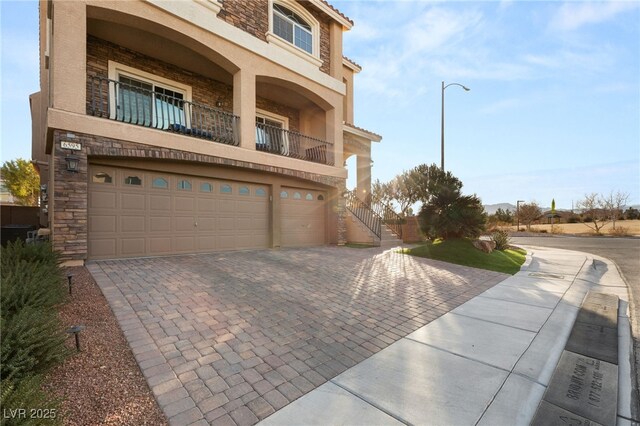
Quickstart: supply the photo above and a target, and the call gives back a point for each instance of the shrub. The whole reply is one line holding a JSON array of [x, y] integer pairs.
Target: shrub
[[502, 239], [32, 337], [573, 219], [619, 231], [27, 394]]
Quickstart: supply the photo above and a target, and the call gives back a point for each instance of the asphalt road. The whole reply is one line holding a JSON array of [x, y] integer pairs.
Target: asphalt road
[[624, 252]]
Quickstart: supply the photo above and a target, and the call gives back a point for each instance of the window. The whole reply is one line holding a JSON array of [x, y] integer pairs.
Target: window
[[284, 194], [225, 189], [206, 187], [270, 132], [160, 183], [184, 185], [320, 197], [132, 180], [261, 192], [243, 190], [101, 177], [297, 196], [308, 197], [291, 27], [147, 100]]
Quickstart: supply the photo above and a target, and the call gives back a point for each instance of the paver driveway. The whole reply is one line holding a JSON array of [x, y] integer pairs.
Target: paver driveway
[[229, 338]]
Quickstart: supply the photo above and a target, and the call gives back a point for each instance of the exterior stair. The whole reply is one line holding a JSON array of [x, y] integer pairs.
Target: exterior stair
[[368, 223]]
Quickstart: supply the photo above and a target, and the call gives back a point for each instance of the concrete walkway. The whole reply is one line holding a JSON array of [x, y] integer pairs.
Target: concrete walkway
[[486, 362]]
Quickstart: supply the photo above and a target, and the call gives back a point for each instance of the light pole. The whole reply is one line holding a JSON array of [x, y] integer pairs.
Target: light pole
[[518, 214], [466, 89]]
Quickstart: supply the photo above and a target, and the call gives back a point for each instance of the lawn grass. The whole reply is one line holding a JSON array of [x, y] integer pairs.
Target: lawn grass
[[462, 252]]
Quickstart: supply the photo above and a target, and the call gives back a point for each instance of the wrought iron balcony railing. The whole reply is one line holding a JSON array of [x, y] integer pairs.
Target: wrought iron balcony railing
[[140, 106], [293, 144]]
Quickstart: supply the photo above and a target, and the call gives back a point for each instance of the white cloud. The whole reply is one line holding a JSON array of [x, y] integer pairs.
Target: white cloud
[[571, 16]]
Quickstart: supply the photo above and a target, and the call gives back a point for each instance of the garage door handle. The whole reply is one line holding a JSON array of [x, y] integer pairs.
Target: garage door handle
[[195, 224]]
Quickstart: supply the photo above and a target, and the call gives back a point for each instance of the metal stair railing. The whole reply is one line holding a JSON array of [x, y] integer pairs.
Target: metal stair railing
[[364, 213], [374, 214]]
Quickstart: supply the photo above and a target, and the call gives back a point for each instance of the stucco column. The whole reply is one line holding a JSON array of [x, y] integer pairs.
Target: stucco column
[[68, 56], [333, 132], [363, 173], [335, 58], [244, 106]]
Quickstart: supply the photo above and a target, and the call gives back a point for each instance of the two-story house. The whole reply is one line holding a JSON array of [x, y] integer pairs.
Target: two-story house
[[167, 127]]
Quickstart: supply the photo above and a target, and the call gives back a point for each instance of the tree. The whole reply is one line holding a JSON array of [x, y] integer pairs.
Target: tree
[[504, 215], [22, 181], [527, 213], [447, 213], [380, 191], [631, 214], [404, 190], [597, 209], [615, 203]]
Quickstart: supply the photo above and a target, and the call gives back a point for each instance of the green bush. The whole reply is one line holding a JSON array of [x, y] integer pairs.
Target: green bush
[[27, 394], [32, 336], [502, 239]]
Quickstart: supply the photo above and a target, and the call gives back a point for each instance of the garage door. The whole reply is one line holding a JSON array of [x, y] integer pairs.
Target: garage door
[[302, 218], [141, 213]]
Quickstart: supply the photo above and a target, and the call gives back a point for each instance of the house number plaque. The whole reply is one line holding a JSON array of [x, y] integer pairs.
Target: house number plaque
[[70, 145]]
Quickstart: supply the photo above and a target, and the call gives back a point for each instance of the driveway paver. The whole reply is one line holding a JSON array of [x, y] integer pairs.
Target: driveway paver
[[233, 337]]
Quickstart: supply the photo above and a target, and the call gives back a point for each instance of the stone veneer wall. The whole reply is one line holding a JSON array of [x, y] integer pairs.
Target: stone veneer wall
[[204, 90], [70, 189], [252, 16]]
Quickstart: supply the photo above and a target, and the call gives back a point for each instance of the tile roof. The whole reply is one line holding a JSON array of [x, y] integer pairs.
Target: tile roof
[[337, 11], [352, 62], [362, 129]]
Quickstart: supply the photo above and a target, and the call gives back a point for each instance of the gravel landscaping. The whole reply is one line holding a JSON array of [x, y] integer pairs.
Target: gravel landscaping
[[102, 384]]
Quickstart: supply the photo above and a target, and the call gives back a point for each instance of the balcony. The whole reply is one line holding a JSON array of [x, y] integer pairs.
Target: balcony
[[137, 105], [277, 140]]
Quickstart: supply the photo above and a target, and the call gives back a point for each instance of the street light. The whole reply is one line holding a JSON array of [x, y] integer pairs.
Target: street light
[[518, 214], [466, 89]]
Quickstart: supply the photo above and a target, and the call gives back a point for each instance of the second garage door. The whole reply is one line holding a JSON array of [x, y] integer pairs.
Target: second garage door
[[142, 213], [302, 217]]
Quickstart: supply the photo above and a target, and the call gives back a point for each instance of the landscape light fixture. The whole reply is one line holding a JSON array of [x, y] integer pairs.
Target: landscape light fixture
[[69, 277], [75, 330], [466, 89]]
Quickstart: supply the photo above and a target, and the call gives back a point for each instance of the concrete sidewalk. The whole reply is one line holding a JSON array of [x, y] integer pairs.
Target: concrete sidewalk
[[486, 362]]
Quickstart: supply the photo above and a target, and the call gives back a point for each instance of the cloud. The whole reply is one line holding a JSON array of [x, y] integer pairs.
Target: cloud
[[572, 16]]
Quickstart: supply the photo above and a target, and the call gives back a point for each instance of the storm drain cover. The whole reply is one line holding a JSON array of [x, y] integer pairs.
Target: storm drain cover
[[543, 275]]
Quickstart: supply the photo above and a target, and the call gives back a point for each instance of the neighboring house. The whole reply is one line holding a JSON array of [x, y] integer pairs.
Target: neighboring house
[[167, 127]]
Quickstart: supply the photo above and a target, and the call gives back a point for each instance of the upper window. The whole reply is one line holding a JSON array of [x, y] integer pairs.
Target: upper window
[[206, 187], [291, 27], [243, 190], [225, 189], [261, 192], [148, 100]]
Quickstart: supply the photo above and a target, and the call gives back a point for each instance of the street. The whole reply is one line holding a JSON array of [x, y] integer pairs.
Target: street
[[625, 252]]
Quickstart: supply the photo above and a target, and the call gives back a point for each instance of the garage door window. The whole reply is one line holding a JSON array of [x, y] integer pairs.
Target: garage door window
[[225, 189], [297, 196], [160, 183], [284, 194], [184, 185], [320, 197], [206, 187], [133, 180], [308, 197], [102, 177], [243, 190], [261, 192]]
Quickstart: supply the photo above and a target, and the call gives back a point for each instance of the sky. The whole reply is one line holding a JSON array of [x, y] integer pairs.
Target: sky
[[553, 110]]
